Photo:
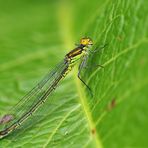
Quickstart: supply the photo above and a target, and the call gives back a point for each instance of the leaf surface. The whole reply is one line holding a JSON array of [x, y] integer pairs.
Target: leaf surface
[[36, 35]]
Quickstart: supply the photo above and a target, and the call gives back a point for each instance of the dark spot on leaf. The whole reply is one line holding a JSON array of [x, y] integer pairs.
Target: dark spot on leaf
[[111, 105], [93, 131]]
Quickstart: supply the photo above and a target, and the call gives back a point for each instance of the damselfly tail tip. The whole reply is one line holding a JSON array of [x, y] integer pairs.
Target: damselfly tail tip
[[3, 134]]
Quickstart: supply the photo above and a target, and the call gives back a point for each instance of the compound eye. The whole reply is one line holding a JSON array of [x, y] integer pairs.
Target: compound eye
[[84, 41]]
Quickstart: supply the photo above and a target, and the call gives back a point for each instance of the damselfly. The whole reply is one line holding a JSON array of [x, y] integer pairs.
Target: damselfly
[[39, 94]]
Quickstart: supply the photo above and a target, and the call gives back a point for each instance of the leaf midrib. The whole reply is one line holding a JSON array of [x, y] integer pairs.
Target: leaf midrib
[[67, 38]]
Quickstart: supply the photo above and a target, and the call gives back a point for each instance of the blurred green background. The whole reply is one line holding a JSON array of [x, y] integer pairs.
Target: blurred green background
[[35, 35]]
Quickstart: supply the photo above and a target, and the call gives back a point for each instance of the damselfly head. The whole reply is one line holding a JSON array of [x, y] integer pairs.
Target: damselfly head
[[86, 41]]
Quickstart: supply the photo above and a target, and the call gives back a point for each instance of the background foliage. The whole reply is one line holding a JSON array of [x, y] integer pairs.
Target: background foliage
[[35, 35]]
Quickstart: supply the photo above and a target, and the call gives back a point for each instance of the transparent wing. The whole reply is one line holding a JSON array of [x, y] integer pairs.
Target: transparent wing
[[32, 97]]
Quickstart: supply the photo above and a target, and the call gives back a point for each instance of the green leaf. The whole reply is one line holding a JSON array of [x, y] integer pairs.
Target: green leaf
[[35, 35]]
